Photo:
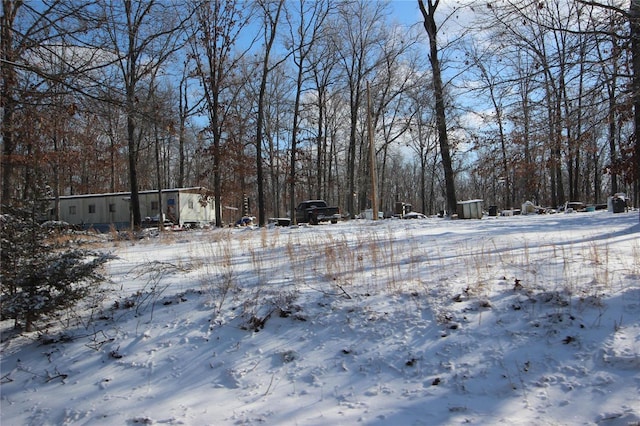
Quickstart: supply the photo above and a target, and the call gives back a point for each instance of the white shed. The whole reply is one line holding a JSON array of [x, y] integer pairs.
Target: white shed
[[182, 206], [471, 209]]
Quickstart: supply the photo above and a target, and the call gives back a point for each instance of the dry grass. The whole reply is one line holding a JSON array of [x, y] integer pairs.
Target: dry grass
[[266, 274]]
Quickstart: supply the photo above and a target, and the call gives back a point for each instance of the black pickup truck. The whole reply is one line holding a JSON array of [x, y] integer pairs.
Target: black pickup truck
[[315, 211]]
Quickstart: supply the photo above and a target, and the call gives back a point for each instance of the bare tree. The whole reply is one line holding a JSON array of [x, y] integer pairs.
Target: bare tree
[[358, 36], [10, 56], [634, 19], [610, 57], [429, 14], [219, 25], [628, 164], [304, 31], [271, 14], [393, 110], [495, 82], [143, 36], [32, 40], [323, 62], [565, 58], [186, 109], [423, 142]]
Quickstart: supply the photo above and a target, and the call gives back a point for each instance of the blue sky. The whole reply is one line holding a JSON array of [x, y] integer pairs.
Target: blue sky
[[406, 11]]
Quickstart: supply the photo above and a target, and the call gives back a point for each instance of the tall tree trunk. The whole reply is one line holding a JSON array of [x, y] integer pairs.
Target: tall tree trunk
[[351, 159], [634, 17], [294, 141], [262, 220], [611, 114], [136, 219], [183, 111], [430, 26], [321, 140], [10, 9], [158, 176], [219, 25]]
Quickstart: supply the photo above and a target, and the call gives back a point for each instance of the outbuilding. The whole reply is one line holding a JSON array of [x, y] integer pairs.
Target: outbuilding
[[471, 209]]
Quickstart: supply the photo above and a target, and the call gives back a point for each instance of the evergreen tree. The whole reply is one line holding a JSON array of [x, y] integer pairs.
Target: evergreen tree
[[39, 276]]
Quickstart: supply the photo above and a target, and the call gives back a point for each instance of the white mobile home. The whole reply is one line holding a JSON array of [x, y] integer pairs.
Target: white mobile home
[[181, 206]]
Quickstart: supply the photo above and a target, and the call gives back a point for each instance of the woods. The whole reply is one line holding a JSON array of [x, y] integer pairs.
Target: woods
[[504, 101]]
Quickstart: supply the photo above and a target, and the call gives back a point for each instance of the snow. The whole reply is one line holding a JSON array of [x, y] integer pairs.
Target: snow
[[509, 320]]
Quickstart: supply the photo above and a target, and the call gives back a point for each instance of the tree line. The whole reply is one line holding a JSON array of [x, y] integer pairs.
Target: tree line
[[277, 100]]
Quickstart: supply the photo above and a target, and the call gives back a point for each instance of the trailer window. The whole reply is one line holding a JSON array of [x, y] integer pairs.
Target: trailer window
[[154, 206], [72, 210], [190, 204], [92, 208], [112, 208]]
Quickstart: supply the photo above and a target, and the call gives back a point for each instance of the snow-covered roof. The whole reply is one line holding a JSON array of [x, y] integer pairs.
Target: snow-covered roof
[[195, 189]]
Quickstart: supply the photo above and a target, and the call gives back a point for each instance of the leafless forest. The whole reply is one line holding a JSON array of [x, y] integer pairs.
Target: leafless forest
[[281, 101]]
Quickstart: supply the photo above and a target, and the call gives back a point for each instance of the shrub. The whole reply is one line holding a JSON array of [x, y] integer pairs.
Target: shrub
[[37, 276]]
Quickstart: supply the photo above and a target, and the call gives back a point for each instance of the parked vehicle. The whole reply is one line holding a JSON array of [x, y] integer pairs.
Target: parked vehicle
[[414, 215], [315, 211], [154, 221]]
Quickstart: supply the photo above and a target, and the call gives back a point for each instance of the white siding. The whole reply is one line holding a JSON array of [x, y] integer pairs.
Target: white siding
[[179, 205]]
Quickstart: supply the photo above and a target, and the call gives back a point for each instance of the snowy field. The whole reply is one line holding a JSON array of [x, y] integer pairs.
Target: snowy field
[[525, 320]]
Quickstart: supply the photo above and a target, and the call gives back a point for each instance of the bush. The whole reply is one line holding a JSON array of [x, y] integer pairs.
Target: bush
[[37, 276]]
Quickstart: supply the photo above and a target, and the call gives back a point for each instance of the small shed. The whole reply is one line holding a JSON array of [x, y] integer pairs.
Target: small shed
[[368, 214], [471, 209]]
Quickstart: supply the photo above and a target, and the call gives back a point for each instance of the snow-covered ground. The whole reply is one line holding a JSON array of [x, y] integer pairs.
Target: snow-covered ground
[[511, 320]]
